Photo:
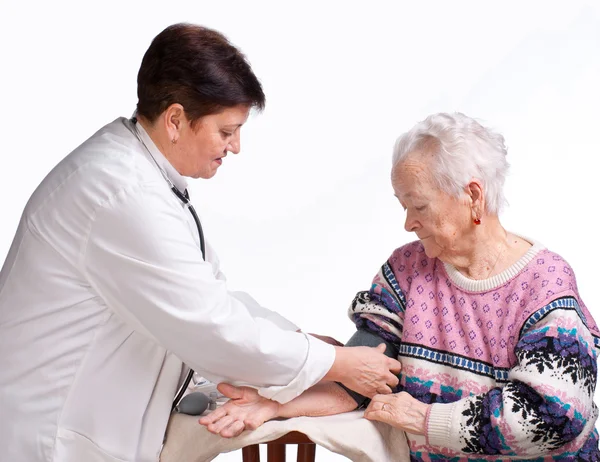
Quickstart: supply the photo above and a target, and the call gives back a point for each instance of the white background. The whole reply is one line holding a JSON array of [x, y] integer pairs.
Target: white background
[[305, 215]]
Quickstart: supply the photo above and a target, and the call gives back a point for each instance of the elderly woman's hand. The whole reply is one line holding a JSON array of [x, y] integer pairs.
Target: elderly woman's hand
[[399, 410], [246, 410]]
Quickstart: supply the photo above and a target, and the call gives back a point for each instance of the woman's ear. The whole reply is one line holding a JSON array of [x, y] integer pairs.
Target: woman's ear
[[475, 192], [174, 119]]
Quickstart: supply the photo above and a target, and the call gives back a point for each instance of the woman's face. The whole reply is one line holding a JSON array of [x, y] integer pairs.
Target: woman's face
[[200, 151], [439, 220]]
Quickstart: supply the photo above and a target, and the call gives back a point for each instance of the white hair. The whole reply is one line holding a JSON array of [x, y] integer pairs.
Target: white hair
[[463, 149]]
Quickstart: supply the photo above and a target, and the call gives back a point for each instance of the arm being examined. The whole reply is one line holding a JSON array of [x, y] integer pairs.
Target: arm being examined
[[247, 410], [329, 398]]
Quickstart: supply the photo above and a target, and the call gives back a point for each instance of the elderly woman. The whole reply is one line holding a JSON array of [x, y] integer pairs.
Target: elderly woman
[[498, 350], [126, 295]]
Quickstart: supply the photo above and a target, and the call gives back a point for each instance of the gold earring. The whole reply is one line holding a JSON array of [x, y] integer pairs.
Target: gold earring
[[173, 141]]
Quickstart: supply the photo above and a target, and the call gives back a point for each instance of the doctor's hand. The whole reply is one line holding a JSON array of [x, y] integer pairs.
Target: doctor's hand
[[365, 370], [246, 410]]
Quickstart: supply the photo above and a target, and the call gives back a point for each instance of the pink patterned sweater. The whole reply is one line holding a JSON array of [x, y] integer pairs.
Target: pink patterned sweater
[[508, 363]]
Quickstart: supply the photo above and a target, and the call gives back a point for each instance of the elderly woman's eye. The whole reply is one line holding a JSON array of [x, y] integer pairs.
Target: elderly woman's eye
[[420, 208]]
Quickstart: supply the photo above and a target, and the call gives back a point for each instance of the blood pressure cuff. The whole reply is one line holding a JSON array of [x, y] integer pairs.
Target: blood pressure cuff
[[363, 337]]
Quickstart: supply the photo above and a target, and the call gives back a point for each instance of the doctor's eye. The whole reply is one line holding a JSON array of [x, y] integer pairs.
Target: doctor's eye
[[226, 134]]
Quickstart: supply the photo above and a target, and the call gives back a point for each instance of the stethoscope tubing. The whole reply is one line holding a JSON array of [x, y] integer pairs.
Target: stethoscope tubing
[[183, 198]]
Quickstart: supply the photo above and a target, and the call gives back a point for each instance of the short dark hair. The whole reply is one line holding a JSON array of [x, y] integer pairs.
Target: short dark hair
[[198, 68]]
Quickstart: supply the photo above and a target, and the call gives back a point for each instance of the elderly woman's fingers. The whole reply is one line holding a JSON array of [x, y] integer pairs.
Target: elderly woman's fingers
[[253, 423], [380, 416], [384, 398], [400, 410], [220, 424], [381, 408], [379, 401], [230, 391], [251, 407], [235, 429], [215, 415]]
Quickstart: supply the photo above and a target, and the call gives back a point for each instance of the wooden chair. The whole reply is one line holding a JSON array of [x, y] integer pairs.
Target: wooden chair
[[276, 449]]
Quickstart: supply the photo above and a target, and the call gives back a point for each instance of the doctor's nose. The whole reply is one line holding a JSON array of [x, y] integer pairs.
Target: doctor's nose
[[234, 145]]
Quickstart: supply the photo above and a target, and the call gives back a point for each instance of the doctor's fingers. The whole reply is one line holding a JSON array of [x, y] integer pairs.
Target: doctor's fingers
[[392, 379], [394, 365], [384, 386], [383, 390]]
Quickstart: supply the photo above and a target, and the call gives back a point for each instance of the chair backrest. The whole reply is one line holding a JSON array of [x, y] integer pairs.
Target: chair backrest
[[276, 449]]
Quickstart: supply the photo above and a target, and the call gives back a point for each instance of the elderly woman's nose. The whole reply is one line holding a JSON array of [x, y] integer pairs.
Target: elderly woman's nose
[[410, 224]]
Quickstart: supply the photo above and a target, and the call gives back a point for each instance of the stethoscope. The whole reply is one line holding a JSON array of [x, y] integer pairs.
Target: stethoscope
[[183, 197]]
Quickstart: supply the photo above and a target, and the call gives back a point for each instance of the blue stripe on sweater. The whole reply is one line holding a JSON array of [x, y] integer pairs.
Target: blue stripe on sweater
[[456, 361]]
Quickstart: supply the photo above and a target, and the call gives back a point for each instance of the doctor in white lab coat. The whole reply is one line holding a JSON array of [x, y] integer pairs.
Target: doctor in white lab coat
[[106, 300]]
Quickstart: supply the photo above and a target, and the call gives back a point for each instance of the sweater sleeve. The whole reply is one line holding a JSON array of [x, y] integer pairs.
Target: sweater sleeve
[[380, 310], [547, 402], [378, 314]]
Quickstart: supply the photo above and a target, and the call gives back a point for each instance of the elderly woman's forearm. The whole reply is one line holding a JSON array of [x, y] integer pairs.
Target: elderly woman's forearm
[[547, 403], [325, 398]]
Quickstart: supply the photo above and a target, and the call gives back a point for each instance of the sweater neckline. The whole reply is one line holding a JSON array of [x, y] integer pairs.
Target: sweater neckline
[[482, 285]]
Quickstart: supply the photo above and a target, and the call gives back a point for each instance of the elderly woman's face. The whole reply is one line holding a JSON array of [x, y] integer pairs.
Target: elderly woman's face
[[201, 151], [439, 220]]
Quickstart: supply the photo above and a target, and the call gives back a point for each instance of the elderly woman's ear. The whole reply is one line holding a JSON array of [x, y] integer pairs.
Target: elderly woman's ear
[[477, 199]]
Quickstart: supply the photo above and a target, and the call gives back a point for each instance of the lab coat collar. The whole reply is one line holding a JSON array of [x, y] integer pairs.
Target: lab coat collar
[[172, 174]]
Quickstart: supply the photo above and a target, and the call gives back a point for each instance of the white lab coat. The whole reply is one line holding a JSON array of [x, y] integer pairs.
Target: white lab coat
[[102, 296]]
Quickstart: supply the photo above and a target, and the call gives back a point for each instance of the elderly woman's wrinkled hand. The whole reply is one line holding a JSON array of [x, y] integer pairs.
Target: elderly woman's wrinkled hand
[[399, 410], [246, 410]]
